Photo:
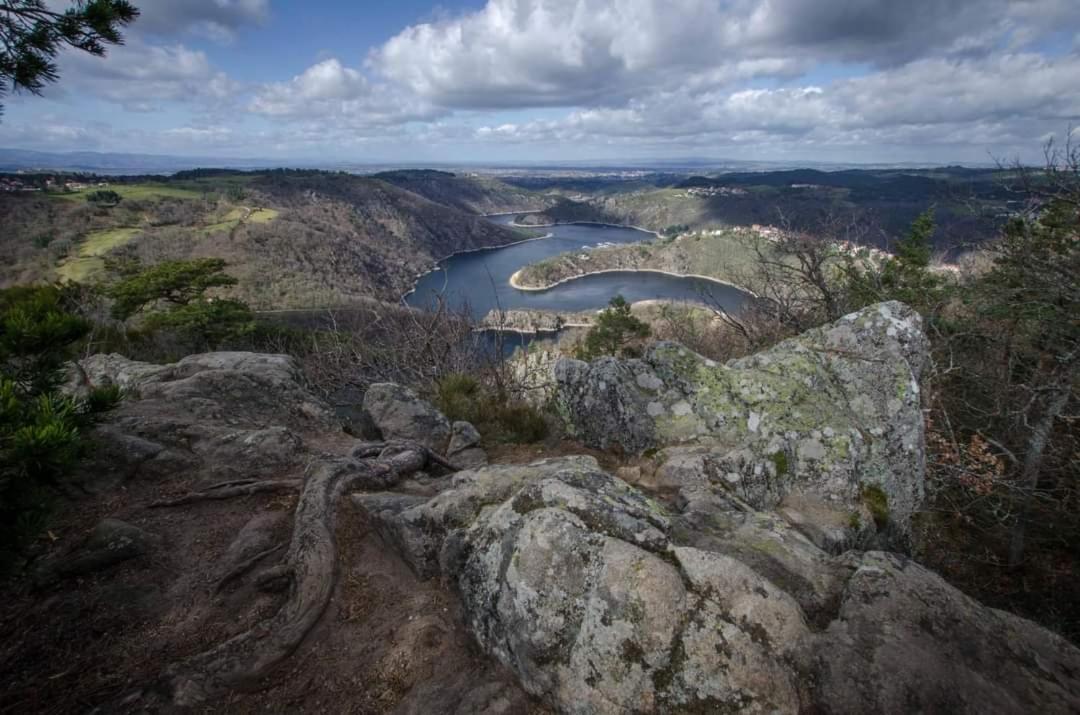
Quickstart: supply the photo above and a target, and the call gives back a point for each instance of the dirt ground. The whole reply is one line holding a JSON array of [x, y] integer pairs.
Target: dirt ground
[[388, 643]]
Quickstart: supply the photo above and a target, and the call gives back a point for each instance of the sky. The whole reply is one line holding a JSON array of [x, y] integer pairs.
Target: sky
[[494, 81]]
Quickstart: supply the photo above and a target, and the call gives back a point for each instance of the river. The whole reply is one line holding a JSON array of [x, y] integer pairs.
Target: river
[[480, 280]]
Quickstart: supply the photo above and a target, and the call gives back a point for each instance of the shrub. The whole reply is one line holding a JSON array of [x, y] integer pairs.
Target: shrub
[[103, 197], [614, 332], [522, 423], [463, 397], [460, 398], [877, 502], [40, 428], [172, 297]]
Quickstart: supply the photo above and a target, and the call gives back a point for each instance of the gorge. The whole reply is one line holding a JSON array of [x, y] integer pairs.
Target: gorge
[[481, 280]]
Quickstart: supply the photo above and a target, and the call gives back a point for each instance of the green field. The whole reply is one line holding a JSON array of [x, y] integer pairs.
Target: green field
[[237, 216], [133, 192], [88, 262]]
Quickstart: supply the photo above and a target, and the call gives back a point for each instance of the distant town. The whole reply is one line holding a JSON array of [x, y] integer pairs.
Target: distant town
[[46, 183]]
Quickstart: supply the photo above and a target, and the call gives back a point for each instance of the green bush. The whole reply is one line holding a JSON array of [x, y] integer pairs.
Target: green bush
[[40, 428], [103, 197], [463, 397], [522, 423], [460, 398], [170, 298], [615, 331], [877, 502]]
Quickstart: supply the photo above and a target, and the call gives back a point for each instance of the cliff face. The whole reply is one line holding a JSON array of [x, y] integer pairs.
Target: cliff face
[[741, 572]]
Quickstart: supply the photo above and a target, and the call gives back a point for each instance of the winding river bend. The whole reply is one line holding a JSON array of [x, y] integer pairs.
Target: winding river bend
[[481, 279]]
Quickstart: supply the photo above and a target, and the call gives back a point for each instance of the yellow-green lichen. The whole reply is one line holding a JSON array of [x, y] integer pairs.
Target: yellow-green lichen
[[877, 502], [780, 462]]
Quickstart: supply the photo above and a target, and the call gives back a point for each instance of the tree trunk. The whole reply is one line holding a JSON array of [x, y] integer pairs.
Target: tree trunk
[[1033, 459]]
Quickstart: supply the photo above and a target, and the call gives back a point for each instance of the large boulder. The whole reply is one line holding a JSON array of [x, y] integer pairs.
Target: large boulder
[[834, 413], [601, 600], [221, 415], [400, 414]]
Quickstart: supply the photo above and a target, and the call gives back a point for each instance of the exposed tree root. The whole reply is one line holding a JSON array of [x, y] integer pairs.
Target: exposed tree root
[[309, 570], [229, 490], [245, 566]]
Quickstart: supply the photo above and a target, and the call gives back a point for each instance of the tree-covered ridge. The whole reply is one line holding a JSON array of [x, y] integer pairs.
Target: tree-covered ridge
[[295, 238]]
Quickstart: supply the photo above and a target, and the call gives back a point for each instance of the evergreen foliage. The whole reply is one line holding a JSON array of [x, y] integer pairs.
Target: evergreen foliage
[[33, 32], [40, 428], [905, 276], [104, 197], [615, 330], [170, 298]]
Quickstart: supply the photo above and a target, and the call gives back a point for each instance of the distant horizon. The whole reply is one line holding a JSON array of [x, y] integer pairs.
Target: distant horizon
[[182, 163]]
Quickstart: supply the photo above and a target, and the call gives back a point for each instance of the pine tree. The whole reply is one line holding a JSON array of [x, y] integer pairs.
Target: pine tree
[[32, 33]]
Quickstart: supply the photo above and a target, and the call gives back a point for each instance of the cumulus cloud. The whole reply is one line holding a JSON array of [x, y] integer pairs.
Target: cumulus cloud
[[216, 19], [334, 94], [663, 76], [531, 53], [140, 76], [926, 102]]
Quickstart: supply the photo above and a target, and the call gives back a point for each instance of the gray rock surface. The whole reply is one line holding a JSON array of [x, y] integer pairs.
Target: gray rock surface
[[215, 415], [832, 413], [602, 600], [463, 436], [111, 542], [400, 414], [464, 450]]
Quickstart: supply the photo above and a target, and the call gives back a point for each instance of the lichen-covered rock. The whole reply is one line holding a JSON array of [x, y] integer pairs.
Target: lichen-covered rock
[[420, 532], [400, 414], [221, 415], [463, 436], [833, 412], [465, 450], [603, 601]]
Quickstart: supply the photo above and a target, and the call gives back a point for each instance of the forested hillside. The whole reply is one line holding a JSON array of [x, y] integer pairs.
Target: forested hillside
[[970, 204], [294, 238], [475, 194]]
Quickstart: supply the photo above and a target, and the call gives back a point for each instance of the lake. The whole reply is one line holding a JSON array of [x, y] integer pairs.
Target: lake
[[480, 280]]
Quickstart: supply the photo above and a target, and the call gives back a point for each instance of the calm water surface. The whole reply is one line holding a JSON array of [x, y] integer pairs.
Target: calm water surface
[[481, 280]]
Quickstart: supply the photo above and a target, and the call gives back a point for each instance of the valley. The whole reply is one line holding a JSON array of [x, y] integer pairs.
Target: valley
[[293, 239], [539, 357]]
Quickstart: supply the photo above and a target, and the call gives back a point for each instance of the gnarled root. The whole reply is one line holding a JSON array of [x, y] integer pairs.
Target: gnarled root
[[309, 571], [229, 490], [245, 566]]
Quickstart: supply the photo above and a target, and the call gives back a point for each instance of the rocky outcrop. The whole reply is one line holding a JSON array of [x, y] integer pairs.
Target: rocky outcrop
[[833, 414], [220, 415], [737, 593], [401, 415], [604, 601]]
